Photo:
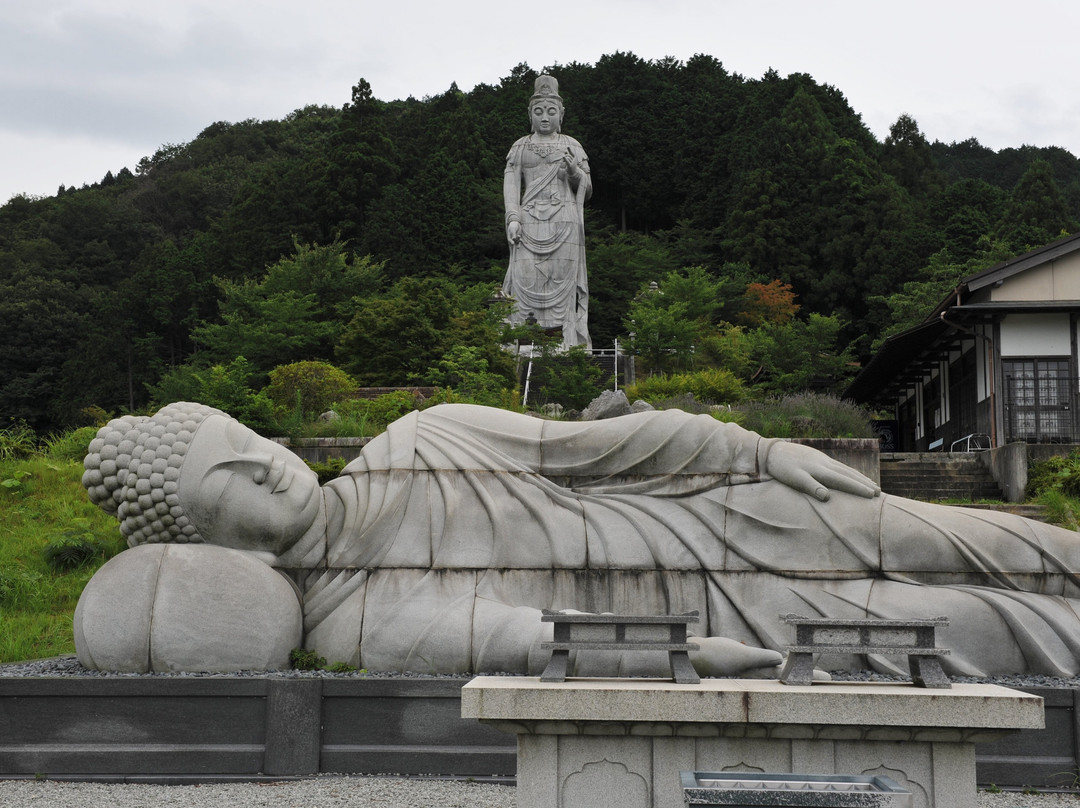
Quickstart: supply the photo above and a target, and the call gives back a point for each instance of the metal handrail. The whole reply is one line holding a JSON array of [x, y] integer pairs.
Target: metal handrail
[[976, 438]]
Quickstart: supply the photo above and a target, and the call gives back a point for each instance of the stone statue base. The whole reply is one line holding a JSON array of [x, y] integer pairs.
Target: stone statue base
[[625, 742]]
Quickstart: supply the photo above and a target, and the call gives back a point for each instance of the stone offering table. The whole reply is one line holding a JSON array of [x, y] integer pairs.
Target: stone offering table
[[624, 741], [614, 632], [823, 635]]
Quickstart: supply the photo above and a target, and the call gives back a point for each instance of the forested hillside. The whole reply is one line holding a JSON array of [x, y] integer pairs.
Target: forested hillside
[[372, 236]]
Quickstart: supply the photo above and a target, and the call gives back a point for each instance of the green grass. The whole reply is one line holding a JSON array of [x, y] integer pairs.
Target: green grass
[[42, 502], [1060, 509], [1054, 483]]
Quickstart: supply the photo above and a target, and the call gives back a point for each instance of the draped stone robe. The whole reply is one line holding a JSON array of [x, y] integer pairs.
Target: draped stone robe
[[455, 526]]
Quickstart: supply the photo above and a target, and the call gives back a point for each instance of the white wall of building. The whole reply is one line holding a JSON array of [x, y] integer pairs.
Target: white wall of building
[[1057, 280], [1035, 335]]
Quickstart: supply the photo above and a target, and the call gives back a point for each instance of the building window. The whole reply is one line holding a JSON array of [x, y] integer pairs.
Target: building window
[[1038, 400]]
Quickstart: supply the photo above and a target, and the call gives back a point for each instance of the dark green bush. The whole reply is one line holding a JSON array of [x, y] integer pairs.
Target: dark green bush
[[227, 387], [658, 388], [17, 441], [329, 469], [313, 387], [71, 552], [70, 445], [569, 378], [304, 660], [465, 372], [716, 386], [1058, 473], [375, 414], [94, 416], [709, 386], [683, 401], [78, 546]]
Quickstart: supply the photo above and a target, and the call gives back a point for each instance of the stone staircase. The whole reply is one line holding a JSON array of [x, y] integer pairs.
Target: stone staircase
[[959, 477], [937, 475]]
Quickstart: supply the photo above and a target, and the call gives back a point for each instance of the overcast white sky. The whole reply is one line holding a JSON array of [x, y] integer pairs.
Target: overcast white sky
[[90, 86]]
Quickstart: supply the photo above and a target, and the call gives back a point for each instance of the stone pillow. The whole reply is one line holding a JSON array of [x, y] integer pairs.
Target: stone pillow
[[187, 607]]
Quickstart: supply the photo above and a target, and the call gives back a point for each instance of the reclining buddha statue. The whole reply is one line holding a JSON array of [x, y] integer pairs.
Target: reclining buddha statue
[[436, 549]]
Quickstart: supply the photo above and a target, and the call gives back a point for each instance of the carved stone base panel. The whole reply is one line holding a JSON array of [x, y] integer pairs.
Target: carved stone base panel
[[624, 742]]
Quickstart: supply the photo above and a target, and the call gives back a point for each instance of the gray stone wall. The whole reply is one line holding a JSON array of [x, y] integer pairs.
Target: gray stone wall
[[177, 729]]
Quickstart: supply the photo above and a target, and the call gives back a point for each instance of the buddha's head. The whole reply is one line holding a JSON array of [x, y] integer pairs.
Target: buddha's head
[[191, 473], [546, 109]]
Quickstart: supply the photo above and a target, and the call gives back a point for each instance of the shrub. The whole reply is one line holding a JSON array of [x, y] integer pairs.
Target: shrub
[[17, 441], [304, 660], [376, 413], [807, 415], [709, 386], [1058, 509], [78, 546], [313, 387], [569, 378], [227, 387], [341, 667], [179, 383], [464, 371], [685, 402], [387, 408], [716, 386], [654, 389], [70, 445], [329, 469], [71, 552], [94, 416], [1060, 473]]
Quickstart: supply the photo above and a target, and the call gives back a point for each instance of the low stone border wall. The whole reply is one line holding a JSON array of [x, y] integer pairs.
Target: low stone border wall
[[227, 728], [319, 450], [1037, 757]]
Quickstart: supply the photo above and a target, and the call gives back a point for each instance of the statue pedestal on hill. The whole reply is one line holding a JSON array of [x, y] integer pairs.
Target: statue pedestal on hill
[[545, 187]]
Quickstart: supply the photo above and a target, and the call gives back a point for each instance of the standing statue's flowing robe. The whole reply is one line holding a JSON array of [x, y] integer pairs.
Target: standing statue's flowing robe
[[456, 525], [547, 276]]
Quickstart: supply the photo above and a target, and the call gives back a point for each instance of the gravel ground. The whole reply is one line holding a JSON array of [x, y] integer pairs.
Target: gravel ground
[[66, 666], [318, 792], [327, 792], [69, 666], [1014, 799]]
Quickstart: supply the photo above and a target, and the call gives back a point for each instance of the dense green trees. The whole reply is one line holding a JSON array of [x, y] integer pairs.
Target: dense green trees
[[293, 312], [371, 236], [691, 322]]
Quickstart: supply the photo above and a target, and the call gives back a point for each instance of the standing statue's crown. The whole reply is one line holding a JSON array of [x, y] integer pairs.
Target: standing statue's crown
[[546, 87]]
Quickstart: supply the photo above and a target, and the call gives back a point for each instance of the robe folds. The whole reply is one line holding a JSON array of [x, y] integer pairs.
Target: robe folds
[[454, 527]]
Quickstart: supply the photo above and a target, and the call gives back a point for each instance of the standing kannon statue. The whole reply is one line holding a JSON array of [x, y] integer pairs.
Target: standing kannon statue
[[545, 187]]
